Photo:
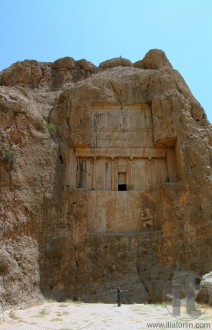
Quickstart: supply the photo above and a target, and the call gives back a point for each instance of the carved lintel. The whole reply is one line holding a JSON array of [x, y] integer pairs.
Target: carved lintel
[[113, 153]]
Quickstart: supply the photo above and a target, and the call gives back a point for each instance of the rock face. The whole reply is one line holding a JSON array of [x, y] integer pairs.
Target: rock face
[[205, 292], [106, 177]]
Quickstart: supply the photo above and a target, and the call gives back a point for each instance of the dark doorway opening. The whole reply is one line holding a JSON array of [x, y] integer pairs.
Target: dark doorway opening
[[122, 187]]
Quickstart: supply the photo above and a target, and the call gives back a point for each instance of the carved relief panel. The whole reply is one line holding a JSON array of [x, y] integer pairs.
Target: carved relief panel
[[121, 169], [115, 127]]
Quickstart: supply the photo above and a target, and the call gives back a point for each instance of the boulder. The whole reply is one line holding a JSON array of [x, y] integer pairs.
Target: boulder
[[205, 293], [117, 61], [155, 59], [87, 66]]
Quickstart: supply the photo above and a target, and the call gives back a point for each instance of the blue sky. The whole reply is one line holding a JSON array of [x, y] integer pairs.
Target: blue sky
[[97, 30]]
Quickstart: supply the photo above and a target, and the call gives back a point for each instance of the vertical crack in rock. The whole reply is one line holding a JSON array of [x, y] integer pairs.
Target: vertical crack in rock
[[116, 93], [76, 262], [68, 125], [138, 271]]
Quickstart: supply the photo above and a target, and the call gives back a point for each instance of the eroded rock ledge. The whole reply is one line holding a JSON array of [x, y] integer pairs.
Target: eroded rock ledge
[[66, 70], [106, 177]]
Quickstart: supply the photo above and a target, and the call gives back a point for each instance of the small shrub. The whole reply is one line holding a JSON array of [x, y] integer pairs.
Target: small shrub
[[10, 157], [62, 313], [52, 129], [13, 315], [56, 320], [25, 307], [65, 313], [70, 301], [43, 312], [50, 300]]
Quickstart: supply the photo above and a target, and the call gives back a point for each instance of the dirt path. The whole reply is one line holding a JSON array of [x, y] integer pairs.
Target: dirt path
[[69, 315]]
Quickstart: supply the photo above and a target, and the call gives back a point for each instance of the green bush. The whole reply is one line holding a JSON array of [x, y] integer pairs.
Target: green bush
[[10, 157], [52, 129]]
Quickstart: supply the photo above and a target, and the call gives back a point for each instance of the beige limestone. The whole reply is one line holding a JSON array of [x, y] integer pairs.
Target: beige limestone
[[117, 61], [106, 179], [154, 59]]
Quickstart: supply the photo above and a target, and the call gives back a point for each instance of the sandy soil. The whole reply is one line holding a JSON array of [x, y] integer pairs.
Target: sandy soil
[[69, 315]]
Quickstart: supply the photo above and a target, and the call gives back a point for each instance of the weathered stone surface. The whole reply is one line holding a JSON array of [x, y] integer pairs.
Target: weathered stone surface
[[205, 293], [28, 72], [105, 182], [64, 63], [113, 62], [33, 74], [87, 66], [154, 59]]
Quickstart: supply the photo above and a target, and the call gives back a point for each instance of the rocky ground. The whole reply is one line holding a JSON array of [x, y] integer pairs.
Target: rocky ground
[[70, 315]]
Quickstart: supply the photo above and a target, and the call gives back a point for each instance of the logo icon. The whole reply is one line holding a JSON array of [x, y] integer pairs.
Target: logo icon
[[180, 294]]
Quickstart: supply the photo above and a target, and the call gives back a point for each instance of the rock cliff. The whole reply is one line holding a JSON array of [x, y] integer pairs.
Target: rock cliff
[[106, 177]]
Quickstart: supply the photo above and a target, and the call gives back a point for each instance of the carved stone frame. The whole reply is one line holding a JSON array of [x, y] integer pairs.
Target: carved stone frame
[[116, 168]]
